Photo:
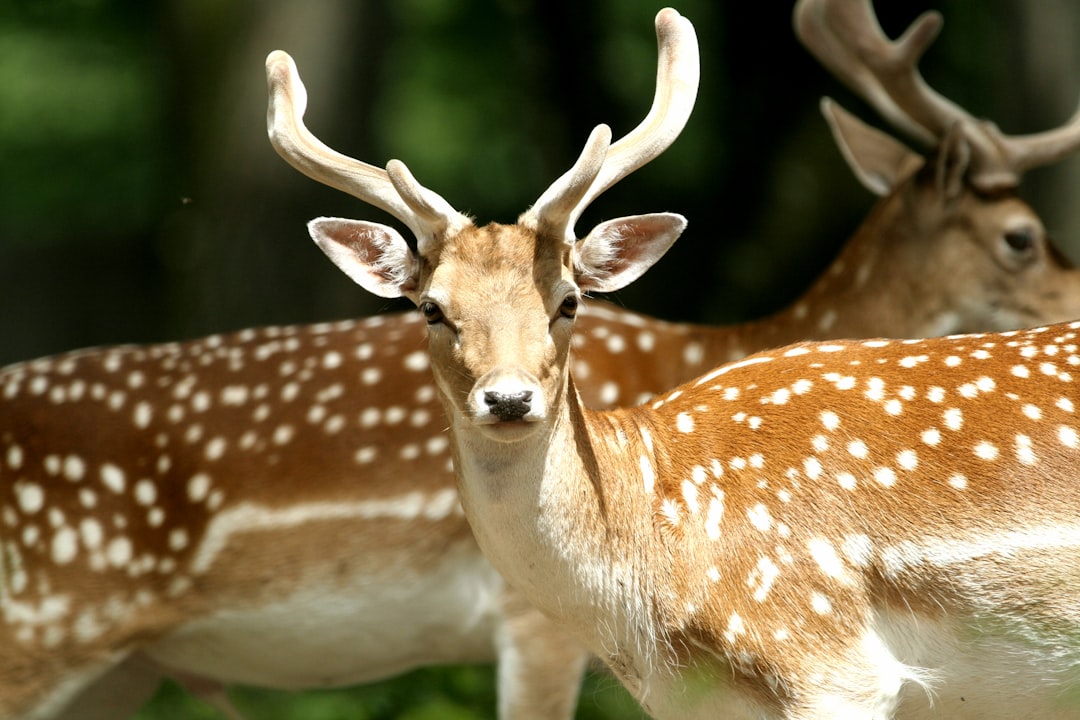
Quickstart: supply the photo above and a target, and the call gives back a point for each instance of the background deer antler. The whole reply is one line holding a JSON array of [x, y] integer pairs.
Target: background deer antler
[[844, 35]]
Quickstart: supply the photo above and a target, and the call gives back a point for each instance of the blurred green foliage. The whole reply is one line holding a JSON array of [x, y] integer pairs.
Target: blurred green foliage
[[140, 201]]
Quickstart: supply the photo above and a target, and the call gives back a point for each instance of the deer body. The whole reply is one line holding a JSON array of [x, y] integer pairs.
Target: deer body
[[832, 528]]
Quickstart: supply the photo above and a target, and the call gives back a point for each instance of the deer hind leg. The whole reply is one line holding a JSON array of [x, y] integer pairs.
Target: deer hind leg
[[540, 668]]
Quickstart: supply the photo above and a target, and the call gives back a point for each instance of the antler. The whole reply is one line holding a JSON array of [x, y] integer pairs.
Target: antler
[[844, 35], [559, 208], [394, 190]]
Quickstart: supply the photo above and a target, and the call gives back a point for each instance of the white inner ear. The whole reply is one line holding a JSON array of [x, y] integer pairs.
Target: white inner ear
[[617, 252], [374, 256]]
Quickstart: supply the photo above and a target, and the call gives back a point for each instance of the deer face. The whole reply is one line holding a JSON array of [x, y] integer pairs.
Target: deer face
[[500, 308], [988, 260]]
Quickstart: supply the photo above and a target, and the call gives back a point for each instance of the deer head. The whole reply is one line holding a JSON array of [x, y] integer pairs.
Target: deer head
[[536, 268], [953, 210]]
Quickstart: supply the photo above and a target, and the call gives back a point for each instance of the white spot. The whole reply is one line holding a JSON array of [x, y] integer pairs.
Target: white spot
[[142, 415], [371, 375], [846, 480], [824, 554], [30, 496], [118, 552], [417, 361], [113, 478], [198, 487], [820, 604], [894, 407], [954, 419], [1065, 404], [1024, 452], [735, 627], [145, 492], [283, 434], [858, 449], [609, 393], [1021, 371], [875, 389], [648, 475], [646, 341], [215, 449], [365, 455], [986, 451], [759, 517], [958, 481], [693, 353], [812, 467], [1033, 412], [690, 496], [332, 360], [370, 417], [65, 545], [907, 460], [684, 422], [74, 468], [178, 539], [762, 578], [830, 420], [234, 395], [885, 476], [14, 457], [931, 436], [1068, 437], [780, 397], [436, 444], [935, 394], [715, 514]]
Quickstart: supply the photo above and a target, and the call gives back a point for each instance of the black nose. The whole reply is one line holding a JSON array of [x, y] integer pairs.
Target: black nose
[[508, 407]]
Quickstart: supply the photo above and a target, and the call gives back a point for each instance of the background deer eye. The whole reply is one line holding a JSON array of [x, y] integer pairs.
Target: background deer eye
[[569, 306], [431, 312], [1020, 240]]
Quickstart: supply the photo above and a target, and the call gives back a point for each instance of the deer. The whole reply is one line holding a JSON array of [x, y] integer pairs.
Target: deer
[[865, 528], [291, 435]]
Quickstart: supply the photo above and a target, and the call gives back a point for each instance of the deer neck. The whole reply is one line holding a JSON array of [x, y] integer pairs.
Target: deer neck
[[562, 531], [863, 291]]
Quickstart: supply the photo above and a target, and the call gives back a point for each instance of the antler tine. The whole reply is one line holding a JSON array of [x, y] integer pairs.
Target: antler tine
[[677, 78], [844, 35], [1024, 152], [425, 213]]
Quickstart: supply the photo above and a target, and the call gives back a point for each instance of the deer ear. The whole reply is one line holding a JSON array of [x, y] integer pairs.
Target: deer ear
[[375, 256], [617, 252], [878, 160]]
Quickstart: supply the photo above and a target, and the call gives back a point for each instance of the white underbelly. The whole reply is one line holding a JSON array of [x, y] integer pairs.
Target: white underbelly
[[369, 628]]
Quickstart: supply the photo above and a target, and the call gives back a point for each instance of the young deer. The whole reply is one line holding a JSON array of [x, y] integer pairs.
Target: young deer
[[296, 435], [843, 529]]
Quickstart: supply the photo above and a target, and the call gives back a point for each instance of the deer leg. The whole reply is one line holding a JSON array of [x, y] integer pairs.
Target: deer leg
[[540, 668]]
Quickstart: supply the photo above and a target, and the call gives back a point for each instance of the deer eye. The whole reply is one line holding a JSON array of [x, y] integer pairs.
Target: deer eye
[[1020, 240], [569, 306], [431, 312]]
